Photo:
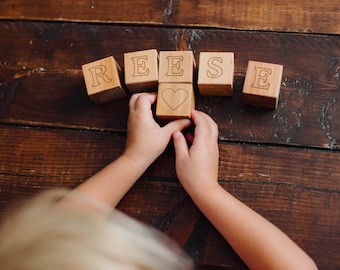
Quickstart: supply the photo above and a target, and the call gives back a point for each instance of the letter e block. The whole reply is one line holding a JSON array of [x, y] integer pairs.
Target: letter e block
[[176, 67], [141, 70], [175, 100], [262, 84], [216, 73], [102, 80]]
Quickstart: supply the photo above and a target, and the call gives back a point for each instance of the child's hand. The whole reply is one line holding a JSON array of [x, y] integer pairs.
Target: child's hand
[[197, 167], [146, 140]]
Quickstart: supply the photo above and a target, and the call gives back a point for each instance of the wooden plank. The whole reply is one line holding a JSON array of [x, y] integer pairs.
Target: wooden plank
[[293, 16], [41, 82], [44, 112], [297, 189]]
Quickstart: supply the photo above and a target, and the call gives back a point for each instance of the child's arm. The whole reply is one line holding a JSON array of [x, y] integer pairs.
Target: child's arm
[[258, 242], [146, 140]]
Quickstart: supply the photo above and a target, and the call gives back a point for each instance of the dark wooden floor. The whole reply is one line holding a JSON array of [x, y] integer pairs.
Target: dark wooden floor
[[284, 163]]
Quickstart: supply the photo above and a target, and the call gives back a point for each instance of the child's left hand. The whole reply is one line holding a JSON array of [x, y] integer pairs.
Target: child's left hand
[[146, 140]]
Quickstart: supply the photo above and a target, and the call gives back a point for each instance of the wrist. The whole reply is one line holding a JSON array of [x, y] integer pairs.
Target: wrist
[[203, 190], [135, 161]]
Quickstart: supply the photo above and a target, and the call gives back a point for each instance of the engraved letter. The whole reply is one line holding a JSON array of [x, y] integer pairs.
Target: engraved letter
[[99, 72], [139, 66], [174, 66], [261, 78], [217, 71]]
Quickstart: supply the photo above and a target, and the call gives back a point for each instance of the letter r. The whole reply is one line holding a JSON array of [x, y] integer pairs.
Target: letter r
[[99, 72]]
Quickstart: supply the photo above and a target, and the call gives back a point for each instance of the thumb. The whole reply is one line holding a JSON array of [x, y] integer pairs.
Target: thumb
[[180, 144]]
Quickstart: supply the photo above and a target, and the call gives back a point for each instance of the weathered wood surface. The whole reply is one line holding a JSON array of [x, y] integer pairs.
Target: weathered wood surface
[[40, 68], [292, 16], [283, 163], [282, 184]]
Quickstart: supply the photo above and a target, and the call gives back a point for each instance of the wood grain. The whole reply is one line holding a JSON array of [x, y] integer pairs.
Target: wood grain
[[283, 163], [283, 184], [291, 16], [41, 63]]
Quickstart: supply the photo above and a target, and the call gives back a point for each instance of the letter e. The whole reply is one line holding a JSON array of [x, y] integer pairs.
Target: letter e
[[261, 78], [139, 66], [174, 66]]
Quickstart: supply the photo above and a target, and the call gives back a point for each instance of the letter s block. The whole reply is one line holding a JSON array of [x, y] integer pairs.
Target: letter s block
[[262, 84], [141, 70], [216, 73], [102, 80]]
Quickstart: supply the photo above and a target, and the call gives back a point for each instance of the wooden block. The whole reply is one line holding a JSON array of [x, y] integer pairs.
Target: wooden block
[[262, 84], [176, 67], [141, 70], [216, 73], [102, 80], [175, 100]]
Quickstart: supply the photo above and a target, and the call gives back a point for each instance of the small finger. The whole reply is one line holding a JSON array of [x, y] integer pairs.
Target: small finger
[[180, 144], [206, 127], [142, 101], [176, 125]]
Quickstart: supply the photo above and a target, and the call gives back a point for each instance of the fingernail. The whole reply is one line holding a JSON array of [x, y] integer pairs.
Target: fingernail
[[187, 123]]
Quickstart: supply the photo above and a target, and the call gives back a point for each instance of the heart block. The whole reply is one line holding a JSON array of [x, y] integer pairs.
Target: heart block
[[175, 100]]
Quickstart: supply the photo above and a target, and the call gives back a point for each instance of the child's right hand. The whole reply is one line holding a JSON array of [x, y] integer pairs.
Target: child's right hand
[[146, 140], [197, 166]]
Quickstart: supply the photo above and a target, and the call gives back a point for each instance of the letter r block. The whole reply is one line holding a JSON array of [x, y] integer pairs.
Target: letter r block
[[216, 73], [262, 84], [176, 67], [102, 80], [141, 70]]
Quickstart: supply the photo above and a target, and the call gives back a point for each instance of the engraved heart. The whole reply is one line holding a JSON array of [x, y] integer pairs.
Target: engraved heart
[[174, 98]]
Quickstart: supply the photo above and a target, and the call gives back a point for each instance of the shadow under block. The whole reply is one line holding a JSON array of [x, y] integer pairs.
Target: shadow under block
[[141, 70], [102, 80], [216, 73], [175, 100], [176, 67], [262, 84]]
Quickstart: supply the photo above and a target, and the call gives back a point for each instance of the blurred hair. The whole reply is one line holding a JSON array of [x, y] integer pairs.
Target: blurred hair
[[51, 233]]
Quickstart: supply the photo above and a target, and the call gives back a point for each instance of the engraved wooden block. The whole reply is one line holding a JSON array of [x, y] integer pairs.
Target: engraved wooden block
[[176, 67], [216, 73], [102, 80], [141, 70], [262, 84], [175, 100]]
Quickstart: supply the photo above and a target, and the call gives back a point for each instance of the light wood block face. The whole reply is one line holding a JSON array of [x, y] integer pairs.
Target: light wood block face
[[102, 80], [176, 67], [141, 70], [262, 84], [216, 73], [175, 100]]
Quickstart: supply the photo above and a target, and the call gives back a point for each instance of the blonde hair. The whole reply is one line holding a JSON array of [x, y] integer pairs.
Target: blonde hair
[[47, 234]]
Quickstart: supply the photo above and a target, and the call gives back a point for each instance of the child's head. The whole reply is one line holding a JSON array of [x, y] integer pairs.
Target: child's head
[[47, 234]]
